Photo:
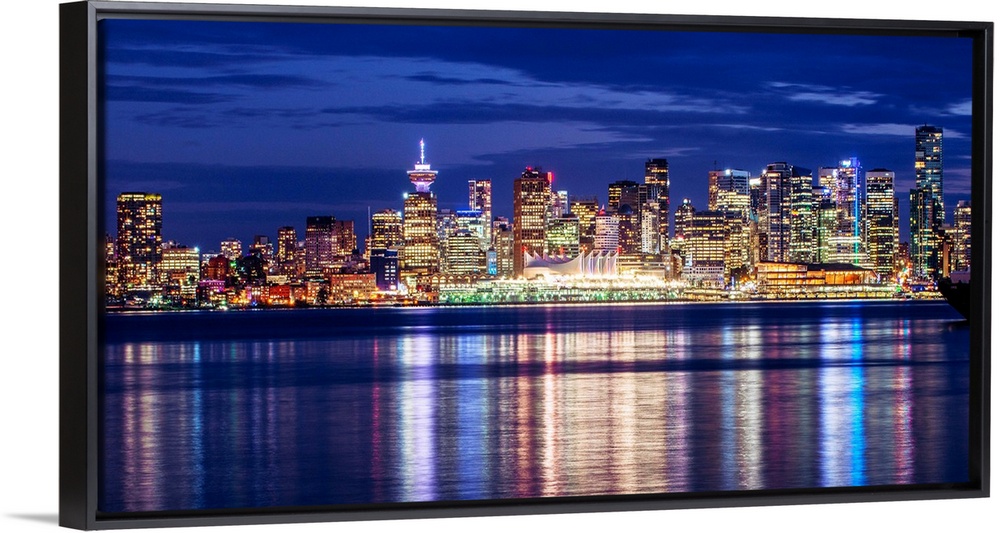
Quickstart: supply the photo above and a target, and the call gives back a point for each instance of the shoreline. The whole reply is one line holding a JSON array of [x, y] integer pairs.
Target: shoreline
[[679, 301]]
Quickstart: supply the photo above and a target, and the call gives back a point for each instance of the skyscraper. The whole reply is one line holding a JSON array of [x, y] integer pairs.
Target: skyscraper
[[420, 239], [788, 229], [927, 203], [387, 230], [481, 199], [562, 236], [532, 201], [585, 210], [621, 193], [883, 226], [139, 240], [963, 235], [658, 189], [847, 244]]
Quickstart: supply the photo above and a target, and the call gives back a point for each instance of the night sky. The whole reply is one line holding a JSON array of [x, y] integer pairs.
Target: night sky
[[244, 127]]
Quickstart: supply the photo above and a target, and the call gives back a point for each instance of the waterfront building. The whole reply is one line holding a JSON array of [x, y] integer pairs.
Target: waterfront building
[[682, 224], [420, 237], [882, 221], [350, 288], [824, 279], [532, 201], [729, 193], [384, 263], [481, 199], [594, 264], [963, 236], [927, 204], [232, 248], [180, 272], [706, 239], [562, 236], [139, 240]]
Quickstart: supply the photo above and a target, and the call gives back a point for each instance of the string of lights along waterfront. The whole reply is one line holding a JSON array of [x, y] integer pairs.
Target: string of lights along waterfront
[[784, 233]]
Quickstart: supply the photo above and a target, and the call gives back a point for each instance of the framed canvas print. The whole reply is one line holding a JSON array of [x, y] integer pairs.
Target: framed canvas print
[[332, 263]]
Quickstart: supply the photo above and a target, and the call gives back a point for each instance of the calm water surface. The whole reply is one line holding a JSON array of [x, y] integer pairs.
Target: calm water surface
[[206, 410]]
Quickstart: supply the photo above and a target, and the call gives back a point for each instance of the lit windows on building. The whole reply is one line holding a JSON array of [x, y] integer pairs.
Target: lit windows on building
[[562, 236], [421, 253], [481, 199], [882, 221], [532, 201], [139, 240]]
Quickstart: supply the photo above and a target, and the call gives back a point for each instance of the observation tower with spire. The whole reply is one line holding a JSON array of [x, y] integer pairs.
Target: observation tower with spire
[[422, 176]]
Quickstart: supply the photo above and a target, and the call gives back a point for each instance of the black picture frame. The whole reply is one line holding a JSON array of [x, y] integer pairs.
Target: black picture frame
[[80, 268]]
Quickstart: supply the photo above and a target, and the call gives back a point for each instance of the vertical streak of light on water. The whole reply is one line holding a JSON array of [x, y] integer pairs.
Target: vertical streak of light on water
[[417, 418], [903, 409]]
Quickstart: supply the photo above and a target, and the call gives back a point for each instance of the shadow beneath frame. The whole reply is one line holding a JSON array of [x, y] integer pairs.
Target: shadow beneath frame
[[45, 518]]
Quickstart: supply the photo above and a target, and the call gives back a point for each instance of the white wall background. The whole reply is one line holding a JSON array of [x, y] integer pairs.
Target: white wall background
[[29, 328]]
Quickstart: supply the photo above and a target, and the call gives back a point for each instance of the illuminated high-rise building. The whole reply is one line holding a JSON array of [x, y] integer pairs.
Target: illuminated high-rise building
[[882, 222], [650, 227], [387, 230], [658, 190], [607, 231], [848, 243], [624, 192], [802, 241], [139, 240], [232, 248], [629, 231], [111, 287], [328, 243], [826, 222], [729, 193], [560, 203], [775, 217], [562, 236], [927, 204], [503, 246], [929, 168], [180, 271], [476, 223], [963, 236], [463, 254], [585, 210], [532, 201], [287, 240], [481, 199], [420, 237], [705, 241]]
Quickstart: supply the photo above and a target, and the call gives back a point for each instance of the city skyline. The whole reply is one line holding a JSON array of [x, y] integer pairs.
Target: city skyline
[[702, 101]]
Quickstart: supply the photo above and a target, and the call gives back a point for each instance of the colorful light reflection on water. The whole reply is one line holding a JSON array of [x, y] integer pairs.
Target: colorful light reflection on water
[[263, 409]]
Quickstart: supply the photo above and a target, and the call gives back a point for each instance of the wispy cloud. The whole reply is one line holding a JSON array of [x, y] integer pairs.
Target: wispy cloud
[[824, 94], [901, 130]]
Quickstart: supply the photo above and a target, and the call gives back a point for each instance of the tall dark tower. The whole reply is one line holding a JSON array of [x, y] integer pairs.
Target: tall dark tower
[[926, 204], [658, 188]]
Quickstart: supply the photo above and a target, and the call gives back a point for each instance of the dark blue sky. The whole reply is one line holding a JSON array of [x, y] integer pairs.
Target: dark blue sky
[[245, 127]]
